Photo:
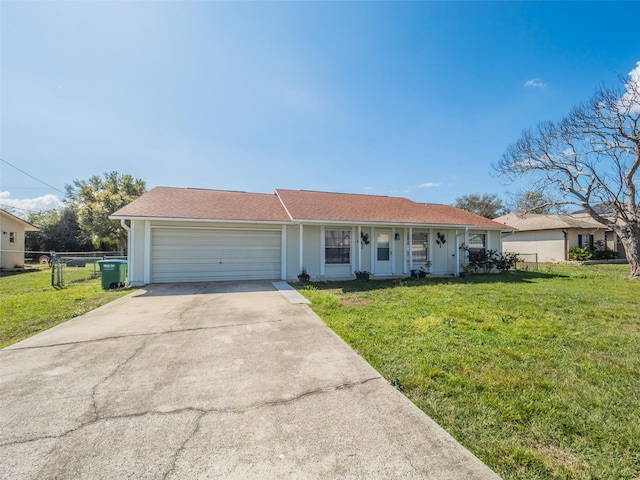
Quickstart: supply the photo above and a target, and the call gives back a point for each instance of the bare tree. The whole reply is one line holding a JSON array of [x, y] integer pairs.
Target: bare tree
[[592, 159]]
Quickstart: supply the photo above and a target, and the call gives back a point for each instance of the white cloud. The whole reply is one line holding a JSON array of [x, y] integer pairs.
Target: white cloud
[[631, 98], [21, 207], [535, 83], [429, 185]]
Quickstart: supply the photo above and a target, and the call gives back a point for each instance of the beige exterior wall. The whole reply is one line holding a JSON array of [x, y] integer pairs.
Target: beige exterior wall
[[541, 246], [548, 246], [12, 253]]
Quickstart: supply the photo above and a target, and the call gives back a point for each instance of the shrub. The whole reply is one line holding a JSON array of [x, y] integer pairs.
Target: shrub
[[580, 254], [606, 254], [507, 261]]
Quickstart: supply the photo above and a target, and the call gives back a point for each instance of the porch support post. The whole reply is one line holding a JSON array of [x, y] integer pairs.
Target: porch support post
[[410, 249], [301, 248], [456, 269], [374, 242], [393, 250], [323, 259], [359, 257]]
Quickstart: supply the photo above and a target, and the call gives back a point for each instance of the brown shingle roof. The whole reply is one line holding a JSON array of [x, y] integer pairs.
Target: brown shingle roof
[[295, 205], [188, 203], [348, 207]]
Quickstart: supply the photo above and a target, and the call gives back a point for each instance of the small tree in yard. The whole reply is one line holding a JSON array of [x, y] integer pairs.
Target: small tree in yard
[[97, 198], [592, 159]]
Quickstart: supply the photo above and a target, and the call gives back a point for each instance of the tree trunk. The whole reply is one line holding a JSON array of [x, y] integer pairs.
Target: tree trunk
[[631, 242]]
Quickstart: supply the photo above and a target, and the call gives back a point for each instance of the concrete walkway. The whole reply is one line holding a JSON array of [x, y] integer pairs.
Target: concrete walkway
[[210, 380]]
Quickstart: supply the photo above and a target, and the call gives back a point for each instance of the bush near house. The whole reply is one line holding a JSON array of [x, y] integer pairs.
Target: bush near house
[[537, 373]]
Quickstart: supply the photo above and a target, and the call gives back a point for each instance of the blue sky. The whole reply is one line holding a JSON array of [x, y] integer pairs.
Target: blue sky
[[407, 99]]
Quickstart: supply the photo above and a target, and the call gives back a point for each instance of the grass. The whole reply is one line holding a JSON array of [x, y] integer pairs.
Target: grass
[[29, 304], [537, 373]]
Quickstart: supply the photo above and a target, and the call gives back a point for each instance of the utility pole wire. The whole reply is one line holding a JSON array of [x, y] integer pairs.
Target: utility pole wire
[[29, 175]]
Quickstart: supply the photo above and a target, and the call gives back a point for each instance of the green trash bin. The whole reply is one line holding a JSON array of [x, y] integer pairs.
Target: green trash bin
[[113, 272]]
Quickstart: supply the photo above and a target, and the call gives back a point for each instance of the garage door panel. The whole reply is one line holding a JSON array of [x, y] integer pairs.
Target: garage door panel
[[209, 255]]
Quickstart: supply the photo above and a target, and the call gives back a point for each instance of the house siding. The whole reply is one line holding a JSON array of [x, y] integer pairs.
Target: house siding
[[12, 253], [548, 246]]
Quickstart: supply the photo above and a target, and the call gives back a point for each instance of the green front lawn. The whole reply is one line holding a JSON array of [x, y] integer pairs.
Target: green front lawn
[[29, 304], [536, 373]]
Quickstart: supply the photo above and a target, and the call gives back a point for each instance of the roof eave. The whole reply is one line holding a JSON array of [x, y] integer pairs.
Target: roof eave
[[393, 224], [207, 220]]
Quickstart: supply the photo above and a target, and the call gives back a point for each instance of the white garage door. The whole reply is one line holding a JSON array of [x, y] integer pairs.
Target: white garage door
[[203, 255]]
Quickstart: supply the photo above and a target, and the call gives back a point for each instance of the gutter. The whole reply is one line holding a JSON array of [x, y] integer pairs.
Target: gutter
[[124, 225]]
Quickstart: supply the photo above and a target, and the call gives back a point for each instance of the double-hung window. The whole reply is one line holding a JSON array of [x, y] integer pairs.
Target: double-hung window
[[12, 237], [337, 246], [477, 245], [419, 244]]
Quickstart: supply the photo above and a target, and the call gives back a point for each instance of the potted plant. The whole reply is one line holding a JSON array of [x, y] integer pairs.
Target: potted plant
[[304, 276], [466, 270], [362, 274]]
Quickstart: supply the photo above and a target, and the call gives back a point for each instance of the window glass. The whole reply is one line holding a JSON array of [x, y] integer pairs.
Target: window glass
[[477, 244], [383, 244], [477, 240], [337, 245], [12, 237], [419, 244]]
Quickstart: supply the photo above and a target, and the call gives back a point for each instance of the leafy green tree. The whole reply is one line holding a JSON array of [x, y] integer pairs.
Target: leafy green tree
[[59, 231], [97, 198], [486, 205]]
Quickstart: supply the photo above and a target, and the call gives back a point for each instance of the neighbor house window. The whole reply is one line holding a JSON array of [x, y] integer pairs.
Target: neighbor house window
[[477, 245], [337, 246], [12, 237], [585, 240], [419, 243]]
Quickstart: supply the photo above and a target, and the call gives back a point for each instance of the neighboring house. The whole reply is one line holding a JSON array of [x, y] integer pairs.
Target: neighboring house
[[12, 240], [548, 238], [186, 235]]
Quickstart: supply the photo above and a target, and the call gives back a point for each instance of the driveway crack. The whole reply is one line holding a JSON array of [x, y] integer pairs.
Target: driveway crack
[[180, 449], [133, 335], [201, 411], [109, 376]]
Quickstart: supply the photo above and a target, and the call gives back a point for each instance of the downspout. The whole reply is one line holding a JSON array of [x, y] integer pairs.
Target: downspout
[[124, 225], [566, 245]]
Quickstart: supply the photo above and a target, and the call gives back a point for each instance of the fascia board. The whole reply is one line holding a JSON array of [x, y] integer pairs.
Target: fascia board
[[393, 224], [205, 220]]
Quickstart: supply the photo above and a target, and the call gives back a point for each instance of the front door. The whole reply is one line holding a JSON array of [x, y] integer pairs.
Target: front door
[[383, 253]]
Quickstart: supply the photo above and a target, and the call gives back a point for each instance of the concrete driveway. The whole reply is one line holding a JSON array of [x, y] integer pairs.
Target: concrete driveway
[[209, 380]]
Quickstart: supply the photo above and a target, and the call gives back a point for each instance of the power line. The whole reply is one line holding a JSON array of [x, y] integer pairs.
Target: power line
[[31, 176]]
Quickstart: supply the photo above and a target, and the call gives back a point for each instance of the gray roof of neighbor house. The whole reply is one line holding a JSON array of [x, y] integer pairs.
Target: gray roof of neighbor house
[[287, 206], [534, 221]]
